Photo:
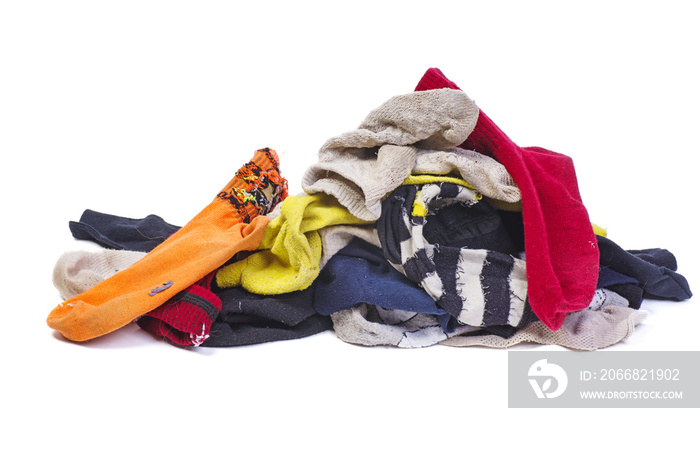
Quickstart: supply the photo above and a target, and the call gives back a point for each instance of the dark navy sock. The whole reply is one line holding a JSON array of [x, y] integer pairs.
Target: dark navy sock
[[114, 232], [359, 273], [657, 281], [248, 318], [656, 256], [632, 292], [475, 227], [608, 277]]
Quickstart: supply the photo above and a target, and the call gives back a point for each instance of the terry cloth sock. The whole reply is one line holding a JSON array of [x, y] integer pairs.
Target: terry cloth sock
[[114, 232], [359, 167], [582, 330], [562, 253], [658, 282], [479, 287], [359, 273], [186, 318], [488, 176], [290, 251], [231, 223], [370, 325], [77, 271], [247, 318]]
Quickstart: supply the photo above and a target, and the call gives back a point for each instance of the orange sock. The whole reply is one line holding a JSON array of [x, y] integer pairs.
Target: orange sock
[[233, 222]]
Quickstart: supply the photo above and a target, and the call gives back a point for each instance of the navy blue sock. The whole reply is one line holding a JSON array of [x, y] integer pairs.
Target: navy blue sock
[[359, 273], [114, 232], [657, 281], [633, 293], [475, 227]]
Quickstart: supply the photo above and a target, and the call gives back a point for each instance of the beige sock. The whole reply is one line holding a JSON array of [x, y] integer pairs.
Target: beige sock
[[359, 167], [335, 238], [77, 271], [582, 330], [488, 176], [374, 326]]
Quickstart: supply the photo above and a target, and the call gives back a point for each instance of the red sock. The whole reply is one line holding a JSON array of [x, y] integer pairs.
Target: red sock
[[560, 247], [186, 318]]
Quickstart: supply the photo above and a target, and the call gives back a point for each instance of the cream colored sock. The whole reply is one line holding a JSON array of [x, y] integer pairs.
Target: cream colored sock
[[374, 326], [586, 330], [359, 167], [488, 176], [77, 271], [335, 238]]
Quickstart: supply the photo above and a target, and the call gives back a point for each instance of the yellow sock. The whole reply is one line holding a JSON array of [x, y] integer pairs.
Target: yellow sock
[[290, 251]]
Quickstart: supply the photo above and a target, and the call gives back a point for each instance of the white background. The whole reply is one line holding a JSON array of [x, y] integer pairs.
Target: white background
[[140, 107]]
